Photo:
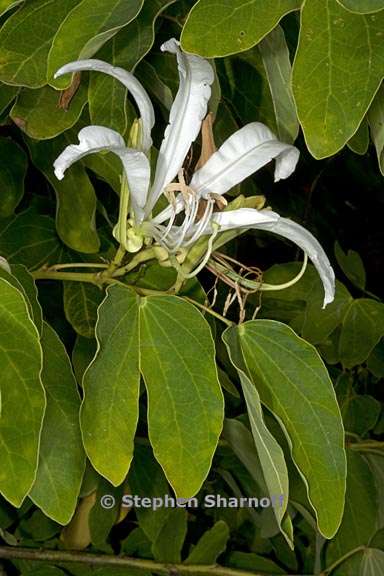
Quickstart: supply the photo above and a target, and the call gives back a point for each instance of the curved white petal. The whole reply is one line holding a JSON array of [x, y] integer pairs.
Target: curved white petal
[[94, 139], [242, 154], [271, 221], [130, 82], [186, 115]]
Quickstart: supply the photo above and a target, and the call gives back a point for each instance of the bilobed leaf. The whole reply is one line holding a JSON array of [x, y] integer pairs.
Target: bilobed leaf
[[75, 197], [23, 397], [109, 411], [81, 36], [269, 452], [337, 70], [185, 402], [362, 328], [359, 523], [220, 29], [38, 114], [376, 125], [25, 40], [30, 239], [275, 55], [61, 458], [294, 384], [211, 544], [362, 6], [106, 95], [352, 265], [13, 167], [81, 301]]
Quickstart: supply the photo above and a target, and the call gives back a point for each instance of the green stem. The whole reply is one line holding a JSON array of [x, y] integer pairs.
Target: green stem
[[59, 556], [212, 312], [140, 258], [56, 267], [92, 277]]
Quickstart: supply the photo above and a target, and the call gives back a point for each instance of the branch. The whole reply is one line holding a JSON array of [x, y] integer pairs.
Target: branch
[[58, 556]]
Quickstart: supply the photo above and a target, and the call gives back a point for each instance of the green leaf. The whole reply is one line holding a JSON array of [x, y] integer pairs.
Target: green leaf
[[7, 95], [375, 361], [106, 95], [75, 197], [359, 142], [30, 239], [362, 6], [27, 286], [372, 562], [38, 114], [275, 55], [211, 544], [148, 76], [167, 546], [147, 479], [270, 453], [360, 412], [25, 40], [6, 5], [213, 29], [333, 90], [352, 266], [102, 520], [82, 354], [13, 167], [376, 125], [81, 36], [359, 522], [61, 458], [105, 166], [307, 317], [81, 301], [109, 411], [362, 328], [294, 384], [250, 561], [251, 95], [185, 402], [23, 398]]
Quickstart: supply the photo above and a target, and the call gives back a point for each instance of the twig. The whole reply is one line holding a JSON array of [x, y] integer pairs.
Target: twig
[[58, 556]]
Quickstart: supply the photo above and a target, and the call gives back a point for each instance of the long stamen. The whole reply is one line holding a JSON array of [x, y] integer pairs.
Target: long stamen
[[207, 254], [203, 222]]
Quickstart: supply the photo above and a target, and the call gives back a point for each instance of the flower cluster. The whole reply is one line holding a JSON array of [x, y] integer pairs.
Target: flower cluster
[[177, 226]]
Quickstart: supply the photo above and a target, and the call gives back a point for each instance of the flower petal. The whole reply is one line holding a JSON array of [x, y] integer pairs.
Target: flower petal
[[130, 82], [271, 221], [242, 154], [187, 113], [94, 139]]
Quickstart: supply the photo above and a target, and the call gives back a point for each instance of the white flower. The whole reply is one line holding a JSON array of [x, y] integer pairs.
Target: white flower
[[246, 151]]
